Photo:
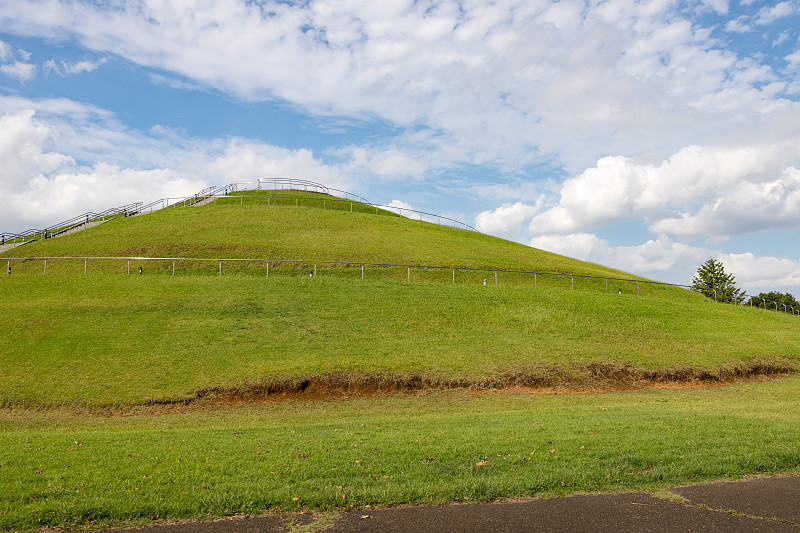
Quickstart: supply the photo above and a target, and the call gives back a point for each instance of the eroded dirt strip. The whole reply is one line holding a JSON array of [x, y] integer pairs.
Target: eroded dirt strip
[[757, 505]]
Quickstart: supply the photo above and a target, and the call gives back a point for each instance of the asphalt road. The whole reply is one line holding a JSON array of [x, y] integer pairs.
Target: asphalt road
[[766, 504]]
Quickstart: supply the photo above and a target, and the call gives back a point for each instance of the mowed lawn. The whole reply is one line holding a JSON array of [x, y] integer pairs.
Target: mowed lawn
[[258, 230], [67, 470], [105, 418], [108, 339]]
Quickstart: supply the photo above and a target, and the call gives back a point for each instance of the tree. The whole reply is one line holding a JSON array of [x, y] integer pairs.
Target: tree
[[769, 299], [712, 280]]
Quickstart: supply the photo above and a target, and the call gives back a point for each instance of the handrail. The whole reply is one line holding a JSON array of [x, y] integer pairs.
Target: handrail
[[390, 208], [32, 235], [221, 260], [68, 225]]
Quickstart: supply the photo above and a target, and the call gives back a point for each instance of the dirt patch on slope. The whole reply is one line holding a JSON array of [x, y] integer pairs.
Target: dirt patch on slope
[[565, 379]]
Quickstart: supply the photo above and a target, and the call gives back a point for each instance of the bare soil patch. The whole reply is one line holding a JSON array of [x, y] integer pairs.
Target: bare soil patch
[[566, 379]]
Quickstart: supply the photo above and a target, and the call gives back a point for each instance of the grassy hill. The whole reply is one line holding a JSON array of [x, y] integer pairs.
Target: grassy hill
[[95, 370], [281, 230], [107, 338]]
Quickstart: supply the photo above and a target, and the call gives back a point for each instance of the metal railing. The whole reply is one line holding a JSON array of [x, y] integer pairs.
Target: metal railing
[[74, 223], [356, 264], [204, 196], [420, 215]]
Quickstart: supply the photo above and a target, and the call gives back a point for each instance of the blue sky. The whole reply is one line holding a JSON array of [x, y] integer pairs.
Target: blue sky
[[647, 136]]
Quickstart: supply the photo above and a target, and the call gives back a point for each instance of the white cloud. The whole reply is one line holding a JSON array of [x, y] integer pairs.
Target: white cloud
[[769, 14], [663, 259], [60, 158], [720, 6], [507, 220], [5, 51], [763, 274], [747, 207], [41, 186], [508, 83], [739, 25], [19, 70], [405, 209], [391, 163], [62, 68], [699, 191], [23, 155]]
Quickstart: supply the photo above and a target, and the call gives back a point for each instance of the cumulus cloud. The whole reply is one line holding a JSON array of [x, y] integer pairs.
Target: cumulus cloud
[[508, 220], [507, 83], [41, 186], [60, 158], [405, 209], [666, 260], [656, 258], [763, 274], [699, 191]]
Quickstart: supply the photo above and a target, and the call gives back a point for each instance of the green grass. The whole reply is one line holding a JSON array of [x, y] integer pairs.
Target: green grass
[[74, 344], [256, 230], [108, 339], [64, 470]]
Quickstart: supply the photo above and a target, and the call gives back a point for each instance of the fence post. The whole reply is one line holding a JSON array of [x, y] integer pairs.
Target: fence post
[[534, 280], [85, 262], [315, 270], [454, 276], [220, 268], [241, 201], [409, 274], [351, 207], [173, 269], [323, 204], [45, 271], [362, 272], [129, 267], [573, 282]]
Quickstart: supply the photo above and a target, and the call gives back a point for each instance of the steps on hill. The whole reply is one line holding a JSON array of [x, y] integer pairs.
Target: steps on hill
[[75, 229], [6, 247], [82, 227]]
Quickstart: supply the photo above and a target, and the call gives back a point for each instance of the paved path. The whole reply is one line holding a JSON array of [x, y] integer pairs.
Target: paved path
[[768, 505]]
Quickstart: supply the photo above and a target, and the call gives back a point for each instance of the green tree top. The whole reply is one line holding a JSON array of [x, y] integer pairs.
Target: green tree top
[[769, 299], [712, 280]]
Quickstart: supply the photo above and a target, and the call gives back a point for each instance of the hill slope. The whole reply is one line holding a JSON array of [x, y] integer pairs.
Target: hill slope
[[285, 231], [107, 338]]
